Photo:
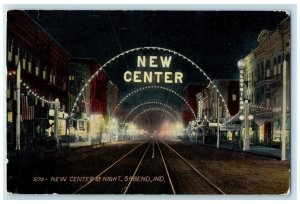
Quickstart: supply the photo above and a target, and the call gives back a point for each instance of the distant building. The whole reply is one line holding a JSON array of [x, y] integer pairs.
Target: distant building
[[113, 95], [97, 100], [207, 99], [44, 73], [189, 93], [211, 105], [79, 74]]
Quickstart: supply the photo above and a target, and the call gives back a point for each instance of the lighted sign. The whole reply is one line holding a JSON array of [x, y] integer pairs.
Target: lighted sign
[[62, 127], [241, 89], [155, 76]]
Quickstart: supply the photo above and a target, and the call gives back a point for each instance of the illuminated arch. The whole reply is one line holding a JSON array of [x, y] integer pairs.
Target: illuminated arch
[[151, 102], [155, 87], [154, 109], [147, 48]]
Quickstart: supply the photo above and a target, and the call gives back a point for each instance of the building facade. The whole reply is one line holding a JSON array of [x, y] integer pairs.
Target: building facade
[[44, 71], [212, 109], [272, 58], [49, 74], [79, 74], [97, 101]]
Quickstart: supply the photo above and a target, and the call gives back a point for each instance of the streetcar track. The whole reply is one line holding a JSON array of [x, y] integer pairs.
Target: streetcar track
[[167, 171], [190, 165], [136, 169], [92, 180], [126, 188]]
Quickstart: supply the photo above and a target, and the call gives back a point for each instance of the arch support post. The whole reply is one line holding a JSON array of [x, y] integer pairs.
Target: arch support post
[[56, 113]]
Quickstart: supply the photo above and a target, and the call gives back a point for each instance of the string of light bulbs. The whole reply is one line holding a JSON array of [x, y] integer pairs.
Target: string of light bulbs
[[11, 73], [275, 109], [31, 91], [35, 94], [149, 48]]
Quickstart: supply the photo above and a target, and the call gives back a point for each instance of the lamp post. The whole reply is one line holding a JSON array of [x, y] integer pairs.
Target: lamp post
[[246, 117], [218, 124], [244, 106], [246, 138], [56, 109], [204, 130], [18, 119], [283, 123]]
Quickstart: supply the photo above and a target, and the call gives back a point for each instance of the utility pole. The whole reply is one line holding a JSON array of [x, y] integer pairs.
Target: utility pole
[[197, 132], [56, 112], [218, 126], [246, 124], [204, 130], [18, 119], [203, 135], [283, 122]]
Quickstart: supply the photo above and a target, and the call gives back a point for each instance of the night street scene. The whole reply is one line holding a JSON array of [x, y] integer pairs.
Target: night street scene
[[148, 102]]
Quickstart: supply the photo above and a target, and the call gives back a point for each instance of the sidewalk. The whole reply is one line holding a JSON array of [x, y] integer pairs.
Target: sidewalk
[[80, 144], [261, 150]]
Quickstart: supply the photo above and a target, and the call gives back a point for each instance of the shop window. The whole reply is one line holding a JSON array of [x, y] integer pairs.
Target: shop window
[[37, 68], [275, 70], [52, 80], [30, 65], [81, 125], [10, 45], [268, 102], [275, 67], [276, 101], [50, 76], [279, 64], [261, 133], [234, 97], [261, 70], [8, 88], [45, 73], [17, 54], [24, 59], [268, 64], [268, 73]]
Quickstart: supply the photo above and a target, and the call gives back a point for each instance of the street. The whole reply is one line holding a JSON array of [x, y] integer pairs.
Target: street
[[149, 167]]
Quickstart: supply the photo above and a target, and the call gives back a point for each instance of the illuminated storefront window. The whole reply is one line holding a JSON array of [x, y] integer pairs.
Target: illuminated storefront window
[[261, 133], [229, 136]]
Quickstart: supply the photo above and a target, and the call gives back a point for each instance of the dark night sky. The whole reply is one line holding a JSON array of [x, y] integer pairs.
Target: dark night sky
[[213, 40]]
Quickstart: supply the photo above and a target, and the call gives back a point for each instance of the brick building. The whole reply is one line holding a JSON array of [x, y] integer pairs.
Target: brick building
[[44, 71]]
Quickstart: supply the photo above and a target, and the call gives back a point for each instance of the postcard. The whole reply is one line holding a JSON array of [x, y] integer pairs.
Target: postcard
[[148, 102]]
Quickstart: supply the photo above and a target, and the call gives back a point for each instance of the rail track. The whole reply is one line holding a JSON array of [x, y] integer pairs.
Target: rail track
[[157, 170]]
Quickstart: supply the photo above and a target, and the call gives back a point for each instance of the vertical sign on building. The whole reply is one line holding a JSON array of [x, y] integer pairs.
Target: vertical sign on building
[[241, 89], [241, 68]]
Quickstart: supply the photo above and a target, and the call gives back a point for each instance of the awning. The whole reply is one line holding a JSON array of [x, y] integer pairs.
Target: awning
[[259, 121]]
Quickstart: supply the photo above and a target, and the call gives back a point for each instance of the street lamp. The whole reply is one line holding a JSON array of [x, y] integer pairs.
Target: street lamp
[[113, 127], [244, 105], [284, 105]]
